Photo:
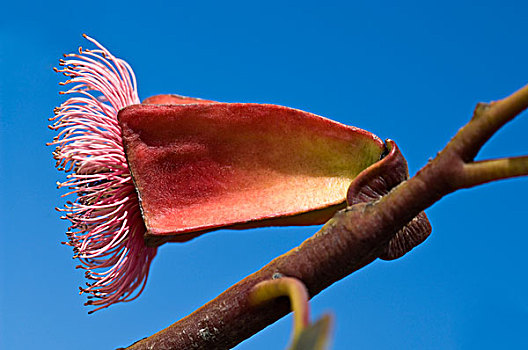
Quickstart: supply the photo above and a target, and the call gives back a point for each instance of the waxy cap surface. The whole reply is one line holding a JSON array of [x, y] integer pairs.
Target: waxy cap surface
[[203, 166]]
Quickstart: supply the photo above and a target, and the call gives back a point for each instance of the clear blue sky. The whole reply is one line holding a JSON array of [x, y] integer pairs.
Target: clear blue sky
[[411, 72]]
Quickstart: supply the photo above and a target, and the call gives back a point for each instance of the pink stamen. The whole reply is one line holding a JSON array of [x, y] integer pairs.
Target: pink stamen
[[106, 230]]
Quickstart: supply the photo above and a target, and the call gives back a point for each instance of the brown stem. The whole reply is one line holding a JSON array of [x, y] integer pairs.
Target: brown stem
[[353, 238]]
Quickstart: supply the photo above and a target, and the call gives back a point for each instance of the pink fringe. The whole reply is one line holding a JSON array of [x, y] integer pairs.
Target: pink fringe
[[107, 229]]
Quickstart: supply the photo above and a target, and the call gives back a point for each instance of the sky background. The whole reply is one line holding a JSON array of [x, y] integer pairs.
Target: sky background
[[412, 72]]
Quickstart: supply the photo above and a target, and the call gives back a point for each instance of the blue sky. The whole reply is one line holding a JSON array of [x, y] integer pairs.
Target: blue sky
[[412, 72]]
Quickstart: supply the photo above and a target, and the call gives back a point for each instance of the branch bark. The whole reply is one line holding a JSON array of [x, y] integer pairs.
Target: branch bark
[[353, 238]]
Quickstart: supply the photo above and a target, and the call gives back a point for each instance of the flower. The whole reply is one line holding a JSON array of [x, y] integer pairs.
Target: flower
[[106, 230], [173, 167]]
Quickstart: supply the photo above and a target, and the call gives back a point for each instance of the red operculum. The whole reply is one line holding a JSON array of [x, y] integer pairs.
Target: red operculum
[[204, 166]]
